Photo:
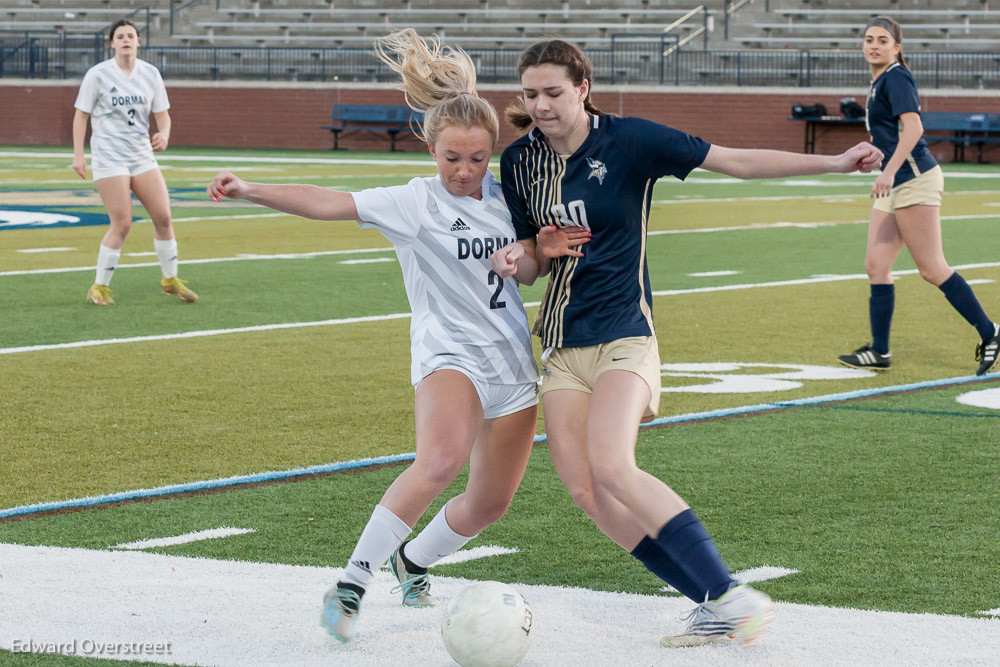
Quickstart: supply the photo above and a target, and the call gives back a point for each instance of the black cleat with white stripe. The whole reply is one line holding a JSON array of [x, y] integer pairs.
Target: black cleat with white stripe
[[986, 352], [867, 357]]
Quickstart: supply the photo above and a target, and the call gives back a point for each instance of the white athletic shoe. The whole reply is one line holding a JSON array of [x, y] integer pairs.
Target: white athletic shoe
[[415, 586], [703, 627], [340, 612], [748, 610]]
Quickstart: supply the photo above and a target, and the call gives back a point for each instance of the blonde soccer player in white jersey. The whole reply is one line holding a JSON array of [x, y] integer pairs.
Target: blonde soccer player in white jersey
[[472, 363], [117, 97]]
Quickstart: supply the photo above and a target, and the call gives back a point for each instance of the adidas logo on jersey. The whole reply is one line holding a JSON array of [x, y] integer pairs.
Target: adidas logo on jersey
[[460, 226], [114, 89]]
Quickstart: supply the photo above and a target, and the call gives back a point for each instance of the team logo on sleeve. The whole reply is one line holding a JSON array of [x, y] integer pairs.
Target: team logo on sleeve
[[597, 170]]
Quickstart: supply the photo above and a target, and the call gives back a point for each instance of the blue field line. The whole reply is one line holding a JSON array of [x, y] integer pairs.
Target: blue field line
[[819, 400], [357, 464]]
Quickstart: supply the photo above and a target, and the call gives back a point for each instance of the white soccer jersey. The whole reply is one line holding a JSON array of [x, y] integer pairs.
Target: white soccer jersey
[[119, 105], [464, 315]]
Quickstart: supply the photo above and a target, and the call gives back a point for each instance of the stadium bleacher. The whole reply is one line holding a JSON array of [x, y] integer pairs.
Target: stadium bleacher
[[629, 40]]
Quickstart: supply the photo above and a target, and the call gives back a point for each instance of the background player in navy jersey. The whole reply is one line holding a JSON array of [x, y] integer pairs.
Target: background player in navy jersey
[[907, 208], [601, 378], [472, 366], [117, 97]]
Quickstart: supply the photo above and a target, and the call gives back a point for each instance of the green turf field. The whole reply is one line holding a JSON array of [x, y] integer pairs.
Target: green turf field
[[880, 503]]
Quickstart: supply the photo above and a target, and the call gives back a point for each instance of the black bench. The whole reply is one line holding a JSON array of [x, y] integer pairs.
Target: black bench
[[373, 119], [961, 129]]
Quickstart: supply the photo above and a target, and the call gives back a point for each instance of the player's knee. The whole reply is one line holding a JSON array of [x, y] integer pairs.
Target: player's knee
[[935, 275], [610, 473], [440, 471], [583, 497], [876, 270], [489, 511]]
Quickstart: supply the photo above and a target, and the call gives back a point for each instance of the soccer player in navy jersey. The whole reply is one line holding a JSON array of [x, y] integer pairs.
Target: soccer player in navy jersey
[[907, 208], [117, 96], [578, 167]]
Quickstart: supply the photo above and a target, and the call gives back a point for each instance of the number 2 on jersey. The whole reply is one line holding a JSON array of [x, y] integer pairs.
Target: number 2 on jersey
[[495, 299]]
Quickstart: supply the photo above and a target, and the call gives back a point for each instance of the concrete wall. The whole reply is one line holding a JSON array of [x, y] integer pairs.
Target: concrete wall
[[237, 114]]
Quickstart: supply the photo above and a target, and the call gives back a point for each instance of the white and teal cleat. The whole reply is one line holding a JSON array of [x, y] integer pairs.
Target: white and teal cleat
[[341, 605], [413, 582]]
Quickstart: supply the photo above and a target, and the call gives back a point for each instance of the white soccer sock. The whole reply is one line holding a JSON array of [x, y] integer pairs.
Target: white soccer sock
[[166, 251], [384, 532], [435, 541], [107, 261]]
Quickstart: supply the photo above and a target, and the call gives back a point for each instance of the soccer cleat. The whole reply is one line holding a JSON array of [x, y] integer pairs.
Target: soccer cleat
[[100, 295], [748, 611], [986, 352], [866, 357], [341, 605], [413, 581], [703, 627], [179, 287]]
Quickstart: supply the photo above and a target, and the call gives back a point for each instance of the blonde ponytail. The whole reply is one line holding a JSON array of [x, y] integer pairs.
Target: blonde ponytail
[[438, 80]]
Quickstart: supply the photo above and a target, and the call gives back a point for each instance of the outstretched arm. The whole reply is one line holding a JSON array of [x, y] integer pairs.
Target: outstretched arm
[[307, 201], [762, 163]]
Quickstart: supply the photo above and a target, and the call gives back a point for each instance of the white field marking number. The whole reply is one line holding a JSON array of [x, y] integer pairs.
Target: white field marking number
[[725, 378]]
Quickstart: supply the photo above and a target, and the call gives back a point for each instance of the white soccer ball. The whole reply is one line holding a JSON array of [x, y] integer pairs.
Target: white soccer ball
[[488, 624]]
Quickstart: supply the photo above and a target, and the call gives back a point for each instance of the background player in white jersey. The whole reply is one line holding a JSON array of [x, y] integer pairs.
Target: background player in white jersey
[[117, 97], [602, 368], [473, 367]]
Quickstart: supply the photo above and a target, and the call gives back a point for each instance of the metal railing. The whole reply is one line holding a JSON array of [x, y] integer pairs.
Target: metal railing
[[632, 59]]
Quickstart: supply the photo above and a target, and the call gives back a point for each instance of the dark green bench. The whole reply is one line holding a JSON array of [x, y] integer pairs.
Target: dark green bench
[[372, 119]]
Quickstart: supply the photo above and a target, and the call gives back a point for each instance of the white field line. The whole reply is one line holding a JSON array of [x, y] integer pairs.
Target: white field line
[[209, 260], [475, 553], [210, 534], [713, 274], [368, 261], [29, 251], [396, 316], [303, 255], [990, 612], [228, 160], [754, 574], [203, 333], [230, 614], [844, 198]]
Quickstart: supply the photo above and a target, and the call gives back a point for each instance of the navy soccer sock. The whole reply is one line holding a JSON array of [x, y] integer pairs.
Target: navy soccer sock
[[880, 306], [964, 300], [656, 560], [690, 548]]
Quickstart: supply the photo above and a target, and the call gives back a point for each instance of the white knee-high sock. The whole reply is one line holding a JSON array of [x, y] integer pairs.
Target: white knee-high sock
[[166, 251], [384, 532], [107, 261], [435, 541]]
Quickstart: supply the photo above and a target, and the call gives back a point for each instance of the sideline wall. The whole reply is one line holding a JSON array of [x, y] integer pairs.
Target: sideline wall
[[238, 115]]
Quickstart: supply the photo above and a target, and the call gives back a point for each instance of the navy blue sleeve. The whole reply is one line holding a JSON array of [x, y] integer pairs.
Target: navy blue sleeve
[[660, 150], [901, 90], [515, 195]]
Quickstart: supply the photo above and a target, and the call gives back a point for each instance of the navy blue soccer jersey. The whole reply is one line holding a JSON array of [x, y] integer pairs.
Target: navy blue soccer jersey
[[605, 186], [894, 93]]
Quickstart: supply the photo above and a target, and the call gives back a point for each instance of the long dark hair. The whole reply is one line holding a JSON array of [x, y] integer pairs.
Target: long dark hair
[[893, 29], [118, 24], [552, 52]]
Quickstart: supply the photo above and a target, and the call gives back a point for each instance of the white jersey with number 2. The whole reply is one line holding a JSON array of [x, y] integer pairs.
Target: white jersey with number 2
[[464, 315], [119, 105]]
